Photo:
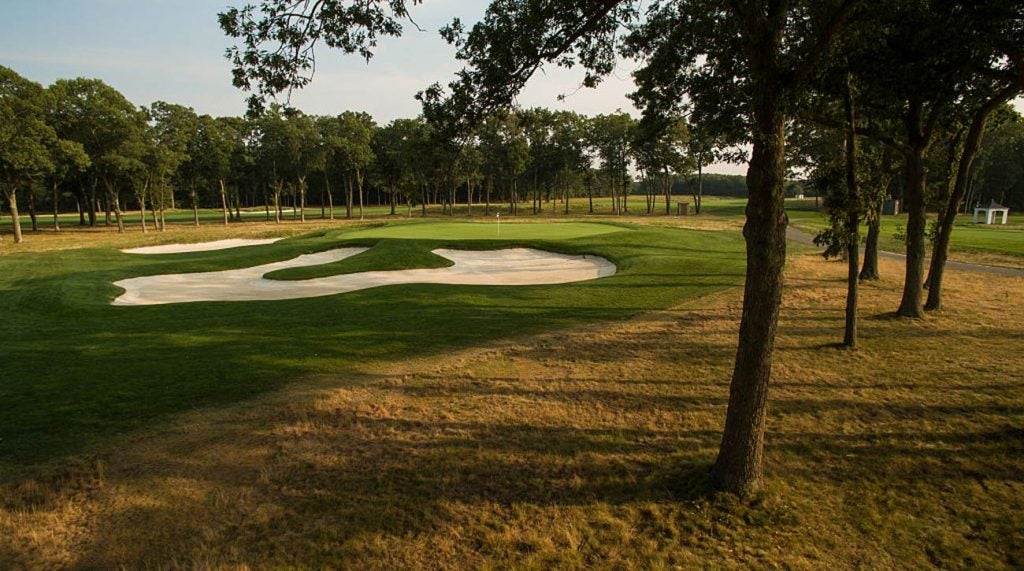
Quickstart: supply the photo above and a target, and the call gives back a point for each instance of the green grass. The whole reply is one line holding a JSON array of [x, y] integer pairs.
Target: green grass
[[490, 230], [385, 255], [967, 236], [77, 370]]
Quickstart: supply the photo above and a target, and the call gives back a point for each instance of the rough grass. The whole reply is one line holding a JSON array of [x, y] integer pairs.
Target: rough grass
[[583, 448]]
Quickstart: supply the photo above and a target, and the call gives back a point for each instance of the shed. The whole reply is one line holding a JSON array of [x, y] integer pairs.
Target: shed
[[991, 211]]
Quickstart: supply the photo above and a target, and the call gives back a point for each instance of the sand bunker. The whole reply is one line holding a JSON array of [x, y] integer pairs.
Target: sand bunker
[[201, 246], [517, 266]]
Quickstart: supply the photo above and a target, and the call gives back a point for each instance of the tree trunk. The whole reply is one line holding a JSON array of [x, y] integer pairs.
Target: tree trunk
[[56, 207], [195, 207], [738, 466], [302, 199], [91, 202], [141, 197], [277, 204], [626, 195], [870, 269], [32, 209], [330, 197], [667, 190], [152, 207], [118, 214], [590, 196], [515, 197], [12, 207], [115, 202], [359, 182], [699, 195], [348, 196], [224, 200], [106, 208], [487, 196], [911, 304], [79, 199], [852, 221]]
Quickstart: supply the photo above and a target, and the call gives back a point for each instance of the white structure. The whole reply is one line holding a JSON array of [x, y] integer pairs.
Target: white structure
[[990, 212]]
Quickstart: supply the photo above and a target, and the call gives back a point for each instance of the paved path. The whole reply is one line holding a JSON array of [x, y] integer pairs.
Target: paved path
[[801, 237]]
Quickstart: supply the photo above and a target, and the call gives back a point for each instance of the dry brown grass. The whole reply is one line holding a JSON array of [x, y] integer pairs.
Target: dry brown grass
[[584, 448], [988, 259]]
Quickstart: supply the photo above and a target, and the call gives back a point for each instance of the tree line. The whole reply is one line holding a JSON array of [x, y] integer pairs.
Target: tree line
[[80, 142]]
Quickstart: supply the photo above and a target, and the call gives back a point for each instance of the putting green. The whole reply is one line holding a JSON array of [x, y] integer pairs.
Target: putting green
[[487, 231]]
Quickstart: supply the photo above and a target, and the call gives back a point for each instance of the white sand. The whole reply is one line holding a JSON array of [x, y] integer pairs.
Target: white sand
[[519, 266], [201, 246]]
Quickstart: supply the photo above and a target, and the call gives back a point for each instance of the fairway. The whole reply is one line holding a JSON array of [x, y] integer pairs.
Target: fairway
[[124, 368], [492, 230]]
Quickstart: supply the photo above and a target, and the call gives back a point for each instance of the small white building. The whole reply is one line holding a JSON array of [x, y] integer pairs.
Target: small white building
[[991, 211]]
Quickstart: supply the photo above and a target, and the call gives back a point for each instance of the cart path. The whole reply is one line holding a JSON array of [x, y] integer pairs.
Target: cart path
[[801, 237]]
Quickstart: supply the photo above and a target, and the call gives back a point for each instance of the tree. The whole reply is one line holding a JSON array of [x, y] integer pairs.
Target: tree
[[998, 37], [391, 167], [99, 118], [218, 141], [661, 153], [704, 148], [332, 144], [998, 173], [25, 138], [835, 175], [174, 128], [913, 62], [69, 158], [356, 133], [612, 138], [573, 160], [745, 68]]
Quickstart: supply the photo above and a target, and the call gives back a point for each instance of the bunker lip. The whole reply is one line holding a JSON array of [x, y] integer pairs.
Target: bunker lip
[[513, 266], [201, 246]]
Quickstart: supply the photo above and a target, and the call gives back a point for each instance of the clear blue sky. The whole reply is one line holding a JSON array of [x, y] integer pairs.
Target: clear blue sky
[[172, 50]]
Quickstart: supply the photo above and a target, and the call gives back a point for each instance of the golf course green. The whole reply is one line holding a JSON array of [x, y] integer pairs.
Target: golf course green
[[78, 370]]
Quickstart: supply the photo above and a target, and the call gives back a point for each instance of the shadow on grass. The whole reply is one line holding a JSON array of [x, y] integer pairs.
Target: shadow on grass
[[335, 477]]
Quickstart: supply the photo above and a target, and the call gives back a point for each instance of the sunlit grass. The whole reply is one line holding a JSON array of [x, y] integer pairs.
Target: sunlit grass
[[78, 371], [580, 448]]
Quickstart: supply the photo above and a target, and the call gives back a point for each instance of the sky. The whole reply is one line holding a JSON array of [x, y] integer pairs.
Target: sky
[[173, 50]]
